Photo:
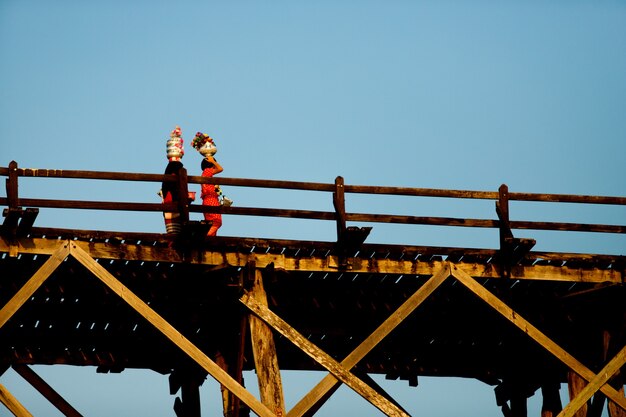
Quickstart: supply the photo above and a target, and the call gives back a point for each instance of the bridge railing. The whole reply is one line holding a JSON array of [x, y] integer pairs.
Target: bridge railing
[[14, 204]]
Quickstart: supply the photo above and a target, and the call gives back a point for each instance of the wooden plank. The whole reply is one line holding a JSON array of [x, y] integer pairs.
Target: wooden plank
[[29, 288], [234, 258], [575, 384], [339, 202], [614, 409], [534, 333], [93, 175], [576, 407], [312, 398], [551, 399], [12, 404], [322, 215], [96, 205], [12, 186], [27, 221], [321, 357], [311, 186], [169, 331], [264, 349], [46, 390]]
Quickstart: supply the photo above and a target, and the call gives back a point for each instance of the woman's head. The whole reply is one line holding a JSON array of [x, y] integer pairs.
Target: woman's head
[[206, 164]]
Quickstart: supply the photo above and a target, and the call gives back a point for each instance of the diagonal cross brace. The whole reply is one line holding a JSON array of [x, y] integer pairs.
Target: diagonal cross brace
[[70, 248], [329, 382], [596, 383], [12, 404], [535, 334], [170, 332], [321, 357], [34, 283]]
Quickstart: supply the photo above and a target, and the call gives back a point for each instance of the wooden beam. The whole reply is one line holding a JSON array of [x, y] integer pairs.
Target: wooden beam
[[602, 378], [614, 409], [132, 252], [339, 202], [46, 390], [551, 404], [12, 186], [29, 288], [168, 331], [264, 348], [543, 340], [575, 384], [183, 190], [321, 357], [12, 404], [27, 220], [318, 393]]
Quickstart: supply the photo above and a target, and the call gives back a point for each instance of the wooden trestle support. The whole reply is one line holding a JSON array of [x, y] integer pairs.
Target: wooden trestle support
[[264, 325], [438, 311]]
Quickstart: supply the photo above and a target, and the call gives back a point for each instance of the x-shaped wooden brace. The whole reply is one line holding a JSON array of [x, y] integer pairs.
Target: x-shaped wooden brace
[[68, 248], [341, 371], [596, 382]]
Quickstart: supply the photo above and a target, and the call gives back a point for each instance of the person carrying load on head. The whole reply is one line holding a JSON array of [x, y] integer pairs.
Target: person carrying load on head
[[169, 190], [211, 193]]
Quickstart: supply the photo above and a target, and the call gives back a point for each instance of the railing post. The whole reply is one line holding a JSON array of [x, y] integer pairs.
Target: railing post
[[502, 209], [13, 213], [11, 184], [183, 192], [339, 202], [512, 249]]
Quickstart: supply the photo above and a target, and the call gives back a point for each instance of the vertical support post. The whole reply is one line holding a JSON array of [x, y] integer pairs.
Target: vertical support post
[[189, 382], [264, 349], [11, 185], [235, 409], [575, 384], [502, 209], [14, 212], [190, 393], [183, 192], [519, 405], [339, 201], [614, 409], [551, 405], [618, 381]]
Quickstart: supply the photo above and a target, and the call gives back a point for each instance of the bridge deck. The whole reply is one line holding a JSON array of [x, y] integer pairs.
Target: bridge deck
[[73, 319]]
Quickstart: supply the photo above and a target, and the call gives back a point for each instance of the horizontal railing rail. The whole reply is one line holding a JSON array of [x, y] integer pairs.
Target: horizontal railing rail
[[13, 201]]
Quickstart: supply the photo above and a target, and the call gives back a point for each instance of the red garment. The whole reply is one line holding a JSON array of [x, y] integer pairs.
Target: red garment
[[210, 198]]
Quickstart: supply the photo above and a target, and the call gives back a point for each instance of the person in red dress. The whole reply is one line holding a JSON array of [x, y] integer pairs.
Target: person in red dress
[[209, 194]]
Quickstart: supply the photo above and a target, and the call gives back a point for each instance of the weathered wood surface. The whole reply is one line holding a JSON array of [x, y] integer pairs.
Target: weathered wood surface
[[547, 343], [322, 357], [311, 186], [264, 349], [12, 404], [329, 263], [333, 308], [315, 396]]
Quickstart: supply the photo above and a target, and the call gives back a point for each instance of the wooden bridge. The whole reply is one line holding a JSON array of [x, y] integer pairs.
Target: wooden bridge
[[190, 308]]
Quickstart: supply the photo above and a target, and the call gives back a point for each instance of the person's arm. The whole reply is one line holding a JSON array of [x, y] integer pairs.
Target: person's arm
[[217, 168]]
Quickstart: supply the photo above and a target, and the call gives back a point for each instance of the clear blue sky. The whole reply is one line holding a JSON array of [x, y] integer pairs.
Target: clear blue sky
[[436, 94]]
